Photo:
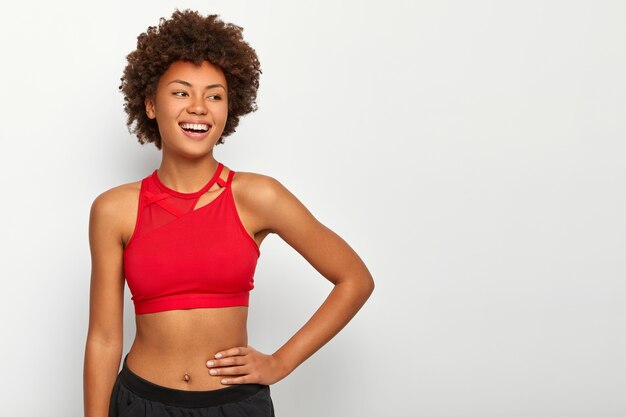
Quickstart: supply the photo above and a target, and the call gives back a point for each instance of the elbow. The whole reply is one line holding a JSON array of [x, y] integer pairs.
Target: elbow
[[116, 346], [361, 285], [105, 339], [365, 287], [369, 286]]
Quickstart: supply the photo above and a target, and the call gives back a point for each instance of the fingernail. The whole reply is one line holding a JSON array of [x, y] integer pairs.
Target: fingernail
[[209, 363], [223, 381], [218, 355], [212, 371]]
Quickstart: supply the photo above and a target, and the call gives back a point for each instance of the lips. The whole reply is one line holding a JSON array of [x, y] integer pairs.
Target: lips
[[195, 127], [195, 130]]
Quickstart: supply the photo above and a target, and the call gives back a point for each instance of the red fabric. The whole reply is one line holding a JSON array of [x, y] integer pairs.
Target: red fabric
[[181, 258]]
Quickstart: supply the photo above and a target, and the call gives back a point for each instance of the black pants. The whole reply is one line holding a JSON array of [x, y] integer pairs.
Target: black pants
[[134, 396]]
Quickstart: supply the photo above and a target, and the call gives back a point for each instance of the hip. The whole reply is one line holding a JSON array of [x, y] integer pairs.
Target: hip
[[134, 395]]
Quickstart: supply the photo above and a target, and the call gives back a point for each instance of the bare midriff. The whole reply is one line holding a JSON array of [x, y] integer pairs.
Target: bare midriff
[[171, 348]]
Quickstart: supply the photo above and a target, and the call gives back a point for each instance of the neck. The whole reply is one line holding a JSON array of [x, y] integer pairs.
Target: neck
[[186, 175]]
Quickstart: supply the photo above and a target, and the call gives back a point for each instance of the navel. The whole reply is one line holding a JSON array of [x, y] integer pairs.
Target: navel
[[186, 378]]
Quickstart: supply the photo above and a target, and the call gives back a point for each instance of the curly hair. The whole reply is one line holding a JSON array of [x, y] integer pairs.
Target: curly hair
[[189, 36]]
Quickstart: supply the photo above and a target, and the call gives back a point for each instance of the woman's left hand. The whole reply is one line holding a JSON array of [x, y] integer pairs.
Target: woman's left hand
[[246, 365]]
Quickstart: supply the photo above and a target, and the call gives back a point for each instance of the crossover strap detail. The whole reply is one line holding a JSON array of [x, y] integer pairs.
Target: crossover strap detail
[[218, 172], [157, 198], [229, 179], [223, 183]]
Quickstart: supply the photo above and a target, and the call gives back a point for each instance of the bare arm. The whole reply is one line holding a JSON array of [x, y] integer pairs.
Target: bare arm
[[282, 213], [103, 349]]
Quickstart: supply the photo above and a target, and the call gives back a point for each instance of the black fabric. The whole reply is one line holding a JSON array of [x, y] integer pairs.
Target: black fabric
[[133, 396]]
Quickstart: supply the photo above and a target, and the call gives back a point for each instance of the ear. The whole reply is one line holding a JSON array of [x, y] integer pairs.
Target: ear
[[150, 108]]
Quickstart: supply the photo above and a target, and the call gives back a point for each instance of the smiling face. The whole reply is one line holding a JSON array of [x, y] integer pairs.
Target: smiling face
[[190, 107]]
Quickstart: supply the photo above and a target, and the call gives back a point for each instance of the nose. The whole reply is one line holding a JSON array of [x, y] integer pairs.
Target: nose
[[197, 105]]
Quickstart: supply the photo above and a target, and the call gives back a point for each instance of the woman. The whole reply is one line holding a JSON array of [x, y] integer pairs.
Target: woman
[[186, 240]]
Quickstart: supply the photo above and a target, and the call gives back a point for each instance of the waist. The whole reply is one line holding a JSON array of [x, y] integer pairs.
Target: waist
[[171, 344], [182, 398]]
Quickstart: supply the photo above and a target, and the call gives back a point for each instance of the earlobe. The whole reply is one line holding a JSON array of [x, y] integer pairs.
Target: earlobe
[[149, 108]]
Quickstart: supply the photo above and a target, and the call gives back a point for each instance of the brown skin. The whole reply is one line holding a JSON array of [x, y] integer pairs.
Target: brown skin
[[170, 344]]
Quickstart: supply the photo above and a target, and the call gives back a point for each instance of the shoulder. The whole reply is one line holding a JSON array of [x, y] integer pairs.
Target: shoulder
[[257, 188], [113, 199], [111, 206], [271, 203]]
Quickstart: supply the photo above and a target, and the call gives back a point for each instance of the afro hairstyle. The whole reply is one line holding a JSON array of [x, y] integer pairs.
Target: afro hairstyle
[[189, 36]]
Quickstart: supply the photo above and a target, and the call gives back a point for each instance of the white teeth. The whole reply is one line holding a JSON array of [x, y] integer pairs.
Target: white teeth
[[195, 126]]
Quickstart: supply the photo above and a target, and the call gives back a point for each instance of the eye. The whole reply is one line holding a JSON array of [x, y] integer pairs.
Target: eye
[[216, 97], [179, 93]]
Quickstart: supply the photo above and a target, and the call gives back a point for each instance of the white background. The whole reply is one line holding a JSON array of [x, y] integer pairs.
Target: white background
[[471, 152]]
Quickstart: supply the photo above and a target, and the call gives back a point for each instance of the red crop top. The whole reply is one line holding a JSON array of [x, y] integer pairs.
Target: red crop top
[[182, 257]]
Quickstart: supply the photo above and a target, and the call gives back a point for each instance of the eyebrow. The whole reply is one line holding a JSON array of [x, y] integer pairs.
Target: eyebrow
[[188, 84]]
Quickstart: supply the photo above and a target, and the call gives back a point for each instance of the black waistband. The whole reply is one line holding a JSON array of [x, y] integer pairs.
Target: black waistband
[[182, 398]]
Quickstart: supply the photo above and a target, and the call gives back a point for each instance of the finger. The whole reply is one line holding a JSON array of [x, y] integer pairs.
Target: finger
[[230, 361], [247, 379], [240, 350], [231, 370]]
